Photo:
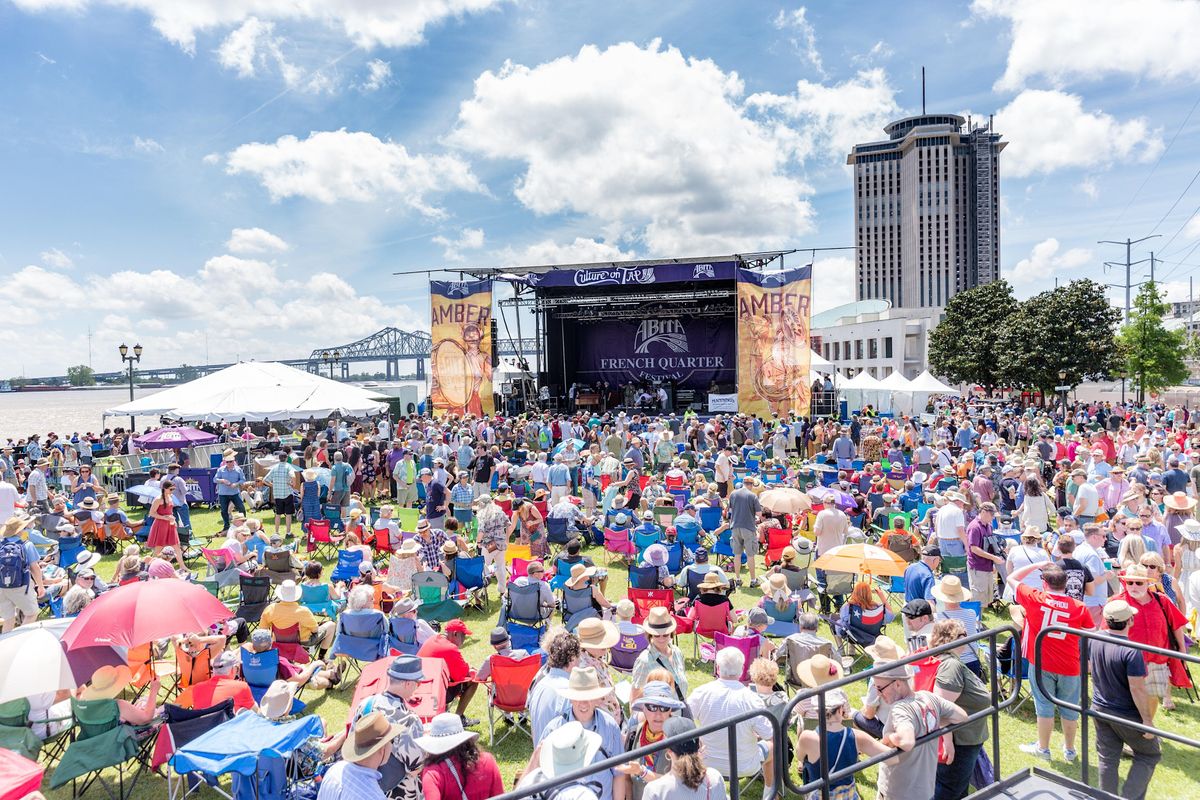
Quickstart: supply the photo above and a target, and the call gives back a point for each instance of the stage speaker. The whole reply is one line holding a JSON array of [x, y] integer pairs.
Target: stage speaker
[[495, 343]]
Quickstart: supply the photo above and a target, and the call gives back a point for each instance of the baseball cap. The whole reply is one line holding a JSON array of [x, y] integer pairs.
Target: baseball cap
[[457, 626], [917, 608], [931, 550]]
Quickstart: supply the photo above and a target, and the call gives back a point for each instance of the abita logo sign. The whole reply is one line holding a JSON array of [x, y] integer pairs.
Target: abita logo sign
[[669, 332]]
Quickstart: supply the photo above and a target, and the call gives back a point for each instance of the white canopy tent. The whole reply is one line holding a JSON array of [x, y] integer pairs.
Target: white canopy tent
[[862, 390], [255, 391], [925, 383], [508, 370]]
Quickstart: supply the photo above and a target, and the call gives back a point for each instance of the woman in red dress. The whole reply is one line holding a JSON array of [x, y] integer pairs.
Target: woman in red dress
[[163, 531]]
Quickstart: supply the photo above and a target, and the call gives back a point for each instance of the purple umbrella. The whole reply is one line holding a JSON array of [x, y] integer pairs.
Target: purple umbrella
[[174, 438]]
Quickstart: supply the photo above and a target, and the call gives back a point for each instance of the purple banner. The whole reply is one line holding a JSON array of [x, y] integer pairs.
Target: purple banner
[[691, 352], [624, 275], [200, 485]]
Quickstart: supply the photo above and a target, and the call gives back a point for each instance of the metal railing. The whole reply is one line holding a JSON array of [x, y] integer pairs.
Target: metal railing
[[780, 730], [997, 705], [729, 725], [1084, 636]]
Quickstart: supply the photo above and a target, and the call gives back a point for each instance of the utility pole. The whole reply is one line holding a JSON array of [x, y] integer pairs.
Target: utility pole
[[1128, 264]]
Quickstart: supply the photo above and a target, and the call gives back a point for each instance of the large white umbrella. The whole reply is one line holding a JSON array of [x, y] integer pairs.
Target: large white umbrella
[[33, 663]]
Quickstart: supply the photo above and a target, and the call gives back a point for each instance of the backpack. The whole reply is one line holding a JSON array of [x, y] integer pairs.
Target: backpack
[[14, 569]]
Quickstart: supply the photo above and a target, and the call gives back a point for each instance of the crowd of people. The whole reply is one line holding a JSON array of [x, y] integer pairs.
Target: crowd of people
[[1079, 520]]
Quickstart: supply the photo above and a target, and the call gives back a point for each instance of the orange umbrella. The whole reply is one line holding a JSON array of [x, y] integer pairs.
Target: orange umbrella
[[861, 558]]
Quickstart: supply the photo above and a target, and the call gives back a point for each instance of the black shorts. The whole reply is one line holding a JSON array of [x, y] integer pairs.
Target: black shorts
[[286, 505]]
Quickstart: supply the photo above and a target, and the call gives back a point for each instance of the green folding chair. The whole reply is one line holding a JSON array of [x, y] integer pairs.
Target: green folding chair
[[17, 732], [102, 742]]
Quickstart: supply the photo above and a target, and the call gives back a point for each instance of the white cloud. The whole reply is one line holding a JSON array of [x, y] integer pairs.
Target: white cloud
[[240, 50], [1051, 130], [1088, 187], [804, 36], [253, 46], [829, 120], [643, 141], [547, 251], [1045, 260], [379, 74], [470, 239], [1192, 229], [368, 23], [254, 240], [330, 166], [272, 314], [880, 51], [1088, 40], [833, 282], [56, 259], [146, 145], [212, 159]]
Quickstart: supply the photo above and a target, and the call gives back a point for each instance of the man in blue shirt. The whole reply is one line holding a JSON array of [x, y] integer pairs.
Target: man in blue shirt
[[229, 479], [340, 476], [559, 478], [919, 578], [844, 450]]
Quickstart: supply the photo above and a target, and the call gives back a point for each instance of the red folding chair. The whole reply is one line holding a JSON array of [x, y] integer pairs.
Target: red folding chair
[[287, 641], [506, 507], [708, 620], [430, 698], [646, 599], [321, 540], [777, 539], [508, 693]]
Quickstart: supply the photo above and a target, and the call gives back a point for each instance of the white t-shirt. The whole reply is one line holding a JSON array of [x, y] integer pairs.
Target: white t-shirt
[[1087, 500], [8, 501], [949, 519]]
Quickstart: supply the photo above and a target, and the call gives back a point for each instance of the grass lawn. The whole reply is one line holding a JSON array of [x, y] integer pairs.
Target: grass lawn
[[1173, 777]]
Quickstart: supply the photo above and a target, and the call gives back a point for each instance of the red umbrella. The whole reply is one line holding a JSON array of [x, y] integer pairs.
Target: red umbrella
[[144, 612]]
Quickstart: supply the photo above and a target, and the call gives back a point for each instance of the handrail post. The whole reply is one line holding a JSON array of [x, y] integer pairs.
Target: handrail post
[[823, 744], [994, 681], [1084, 702], [734, 789]]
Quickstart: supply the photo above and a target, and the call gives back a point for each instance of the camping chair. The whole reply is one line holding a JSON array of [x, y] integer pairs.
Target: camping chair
[[287, 642], [562, 574], [854, 639], [222, 568], [517, 551], [723, 550], [557, 531], [101, 742], [643, 577], [617, 541], [333, 515], [626, 651], [519, 568], [577, 606], [256, 596], [894, 586], [321, 540], [278, 566], [710, 517], [407, 518], [145, 667], [17, 732], [955, 565], [694, 579], [347, 566], [385, 597], [468, 574], [900, 544], [643, 539], [835, 587], [433, 590], [664, 515], [1012, 670], [777, 539], [259, 671], [402, 635], [796, 653], [709, 619], [688, 535], [524, 605], [674, 557], [645, 599], [192, 669], [524, 637], [508, 693], [749, 645], [783, 622], [68, 548], [318, 600], [182, 725], [362, 636]]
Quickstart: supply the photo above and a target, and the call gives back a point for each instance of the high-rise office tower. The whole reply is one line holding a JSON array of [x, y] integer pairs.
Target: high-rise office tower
[[927, 210]]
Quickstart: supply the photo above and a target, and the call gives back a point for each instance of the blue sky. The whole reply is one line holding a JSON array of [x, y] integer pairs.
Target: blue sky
[[243, 180]]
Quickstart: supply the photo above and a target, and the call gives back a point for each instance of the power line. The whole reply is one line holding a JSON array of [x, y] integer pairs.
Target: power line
[[1149, 175]]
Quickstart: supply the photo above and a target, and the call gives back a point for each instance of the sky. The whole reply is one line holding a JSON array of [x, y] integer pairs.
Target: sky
[[223, 181]]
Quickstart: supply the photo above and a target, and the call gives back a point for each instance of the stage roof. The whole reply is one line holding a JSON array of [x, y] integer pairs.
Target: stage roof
[[749, 260]]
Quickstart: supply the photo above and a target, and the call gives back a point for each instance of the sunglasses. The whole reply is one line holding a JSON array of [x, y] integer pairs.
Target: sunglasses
[[657, 709], [660, 636], [1151, 566], [1135, 583]]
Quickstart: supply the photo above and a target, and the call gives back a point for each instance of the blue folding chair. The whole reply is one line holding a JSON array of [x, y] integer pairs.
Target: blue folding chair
[[577, 606], [68, 548], [688, 535], [783, 622], [524, 637], [643, 577], [557, 531], [524, 605], [674, 557], [468, 574], [562, 573], [402, 635], [334, 515], [723, 549], [362, 636], [347, 566], [643, 539], [710, 518], [259, 671]]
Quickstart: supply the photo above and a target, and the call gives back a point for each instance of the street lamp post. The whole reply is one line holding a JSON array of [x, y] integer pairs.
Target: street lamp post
[[331, 358], [1122, 373], [129, 359], [1062, 388]]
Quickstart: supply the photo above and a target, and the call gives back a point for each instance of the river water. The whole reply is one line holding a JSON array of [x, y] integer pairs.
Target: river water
[[23, 413]]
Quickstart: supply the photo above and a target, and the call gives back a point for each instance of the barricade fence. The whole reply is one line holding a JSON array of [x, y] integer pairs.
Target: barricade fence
[[1083, 708], [780, 730]]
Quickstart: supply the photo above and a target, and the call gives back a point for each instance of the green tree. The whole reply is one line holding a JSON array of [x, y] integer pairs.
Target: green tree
[[81, 375], [1154, 356], [186, 373], [963, 345], [1070, 329]]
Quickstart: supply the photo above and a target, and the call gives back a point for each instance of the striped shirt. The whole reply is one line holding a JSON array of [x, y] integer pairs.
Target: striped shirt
[[970, 624], [462, 494], [280, 478], [351, 782]]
